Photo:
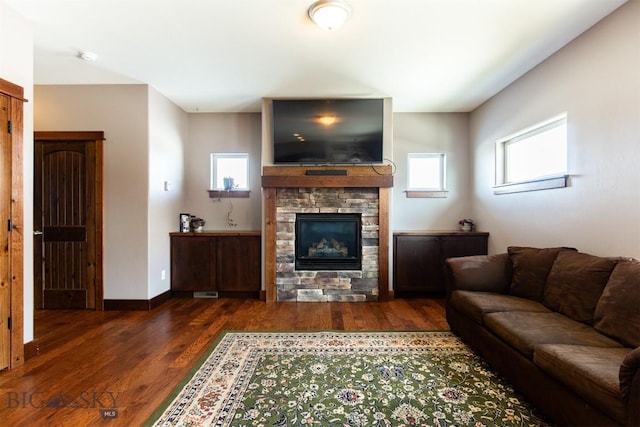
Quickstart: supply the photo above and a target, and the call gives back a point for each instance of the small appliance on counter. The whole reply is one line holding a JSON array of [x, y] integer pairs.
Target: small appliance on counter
[[185, 222], [189, 223]]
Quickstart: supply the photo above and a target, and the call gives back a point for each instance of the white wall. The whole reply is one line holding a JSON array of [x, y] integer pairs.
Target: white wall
[[223, 133], [168, 133], [595, 80], [432, 133], [16, 66], [121, 111]]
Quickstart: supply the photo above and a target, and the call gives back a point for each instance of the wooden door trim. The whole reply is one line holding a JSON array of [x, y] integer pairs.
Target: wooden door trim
[[12, 90], [16, 257], [97, 138]]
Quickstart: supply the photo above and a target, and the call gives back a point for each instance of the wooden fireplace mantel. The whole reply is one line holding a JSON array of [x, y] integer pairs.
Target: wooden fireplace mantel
[[274, 177], [354, 176]]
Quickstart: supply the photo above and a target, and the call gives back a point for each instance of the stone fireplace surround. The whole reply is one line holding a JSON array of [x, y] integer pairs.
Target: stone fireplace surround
[[289, 190]]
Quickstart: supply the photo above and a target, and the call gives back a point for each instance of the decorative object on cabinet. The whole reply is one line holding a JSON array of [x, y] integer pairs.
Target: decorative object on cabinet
[[418, 258], [466, 224], [197, 223]]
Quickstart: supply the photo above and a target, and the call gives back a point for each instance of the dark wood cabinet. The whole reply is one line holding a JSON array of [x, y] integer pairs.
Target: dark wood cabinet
[[192, 266], [238, 264], [224, 262], [418, 258]]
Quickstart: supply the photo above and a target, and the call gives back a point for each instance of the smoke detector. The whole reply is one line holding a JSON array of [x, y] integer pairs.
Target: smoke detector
[[87, 56]]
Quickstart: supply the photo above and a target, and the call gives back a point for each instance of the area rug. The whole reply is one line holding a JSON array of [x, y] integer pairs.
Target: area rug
[[343, 379]]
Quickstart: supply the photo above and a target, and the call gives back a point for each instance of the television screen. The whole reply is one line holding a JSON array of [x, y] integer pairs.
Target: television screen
[[321, 131]]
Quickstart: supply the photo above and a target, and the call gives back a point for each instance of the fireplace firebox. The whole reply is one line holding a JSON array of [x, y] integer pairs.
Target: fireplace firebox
[[328, 241]]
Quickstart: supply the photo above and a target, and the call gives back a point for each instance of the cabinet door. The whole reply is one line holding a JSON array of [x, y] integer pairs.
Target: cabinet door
[[463, 245], [238, 264], [192, 263], [416, 261]]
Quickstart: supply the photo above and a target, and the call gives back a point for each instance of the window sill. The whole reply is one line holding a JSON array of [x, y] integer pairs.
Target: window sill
[[219, 194], [549, 183], [418, 194]]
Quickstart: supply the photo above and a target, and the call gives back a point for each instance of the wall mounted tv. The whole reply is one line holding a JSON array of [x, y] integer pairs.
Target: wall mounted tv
[[327, 131]]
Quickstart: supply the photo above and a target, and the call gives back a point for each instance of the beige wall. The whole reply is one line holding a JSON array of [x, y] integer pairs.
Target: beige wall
[[168, 133], [595, 80], [446, 133], [121, 111], [145, 138], [16, 66], [223, 133]]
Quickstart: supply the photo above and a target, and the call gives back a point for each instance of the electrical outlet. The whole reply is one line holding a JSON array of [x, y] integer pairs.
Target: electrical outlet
[[163, 275]]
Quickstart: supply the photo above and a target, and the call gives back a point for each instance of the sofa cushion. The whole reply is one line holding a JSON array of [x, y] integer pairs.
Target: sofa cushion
[[524, 330], [488, 273], [476, 304], [575, 284], [531, 266], [591, 372], [618, 310]]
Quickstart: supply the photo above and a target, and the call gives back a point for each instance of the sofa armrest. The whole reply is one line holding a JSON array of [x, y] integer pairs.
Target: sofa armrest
[[486, 273], [630, 386]]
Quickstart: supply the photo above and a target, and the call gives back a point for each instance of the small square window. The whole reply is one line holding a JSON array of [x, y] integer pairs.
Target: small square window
[[229, 171], [426, 172]]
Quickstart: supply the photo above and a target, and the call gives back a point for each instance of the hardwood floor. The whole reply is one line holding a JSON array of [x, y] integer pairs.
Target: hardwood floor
[[90, 361]]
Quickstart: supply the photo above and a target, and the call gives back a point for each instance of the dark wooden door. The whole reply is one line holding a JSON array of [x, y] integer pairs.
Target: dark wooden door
[[67, 220]]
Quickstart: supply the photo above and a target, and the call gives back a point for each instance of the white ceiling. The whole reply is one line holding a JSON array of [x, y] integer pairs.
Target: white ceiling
[[224, 56]]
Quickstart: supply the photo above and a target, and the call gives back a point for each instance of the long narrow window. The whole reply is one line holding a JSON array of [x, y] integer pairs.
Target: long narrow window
[[535, 155]]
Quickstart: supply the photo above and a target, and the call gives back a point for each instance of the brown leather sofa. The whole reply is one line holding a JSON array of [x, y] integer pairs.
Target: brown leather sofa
[[562, 326]]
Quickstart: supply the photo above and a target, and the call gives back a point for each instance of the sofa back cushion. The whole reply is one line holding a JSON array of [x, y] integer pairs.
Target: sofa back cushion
[[531, 267], [486, 273], [618, 311], [575, 284]]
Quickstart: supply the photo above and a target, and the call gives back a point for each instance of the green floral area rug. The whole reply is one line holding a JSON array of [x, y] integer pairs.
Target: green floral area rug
[[344, 379]]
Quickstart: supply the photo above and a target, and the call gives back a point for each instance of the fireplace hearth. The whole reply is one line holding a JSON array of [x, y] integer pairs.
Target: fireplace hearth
[[328, 241]]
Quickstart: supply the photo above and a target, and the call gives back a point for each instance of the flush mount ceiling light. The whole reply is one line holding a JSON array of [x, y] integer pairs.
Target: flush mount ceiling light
[[329, 14], [87, 56]]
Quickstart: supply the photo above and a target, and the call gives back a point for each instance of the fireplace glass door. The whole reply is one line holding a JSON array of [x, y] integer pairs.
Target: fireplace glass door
[[328, 242]]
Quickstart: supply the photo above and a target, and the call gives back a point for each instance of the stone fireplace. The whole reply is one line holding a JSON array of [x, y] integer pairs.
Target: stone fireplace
[[344, 257]]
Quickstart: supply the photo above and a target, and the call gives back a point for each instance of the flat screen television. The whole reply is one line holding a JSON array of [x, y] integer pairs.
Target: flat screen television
[[327, 131]]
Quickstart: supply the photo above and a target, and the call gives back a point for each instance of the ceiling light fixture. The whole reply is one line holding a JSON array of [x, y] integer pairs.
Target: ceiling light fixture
[[87, 56], [329, 14]]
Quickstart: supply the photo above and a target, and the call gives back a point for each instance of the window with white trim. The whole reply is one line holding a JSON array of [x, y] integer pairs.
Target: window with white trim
[[426, 172], [533, 155], [229, 165]]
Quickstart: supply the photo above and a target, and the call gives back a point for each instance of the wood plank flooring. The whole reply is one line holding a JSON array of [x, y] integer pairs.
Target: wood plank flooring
[[129, 361]]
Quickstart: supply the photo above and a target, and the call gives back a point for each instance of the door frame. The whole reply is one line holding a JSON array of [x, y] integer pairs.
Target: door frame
[[16, 238], [97, 138]]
